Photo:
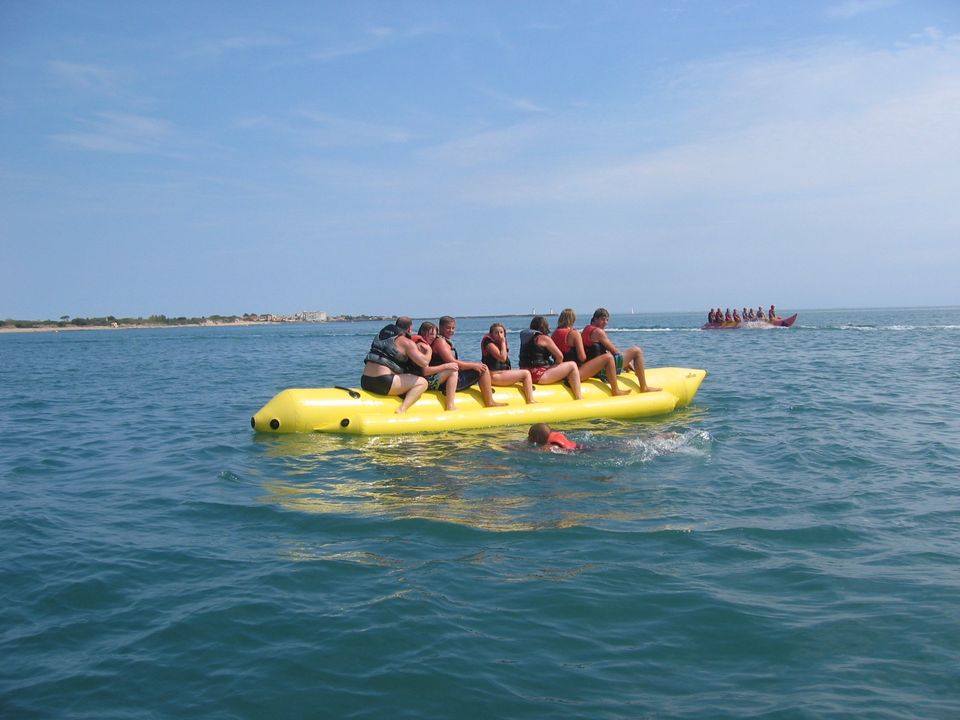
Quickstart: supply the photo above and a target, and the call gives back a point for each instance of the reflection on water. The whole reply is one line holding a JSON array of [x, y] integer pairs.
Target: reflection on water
[[486, 479]]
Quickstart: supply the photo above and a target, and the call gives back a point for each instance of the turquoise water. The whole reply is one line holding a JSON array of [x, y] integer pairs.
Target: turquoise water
[[787, 546]]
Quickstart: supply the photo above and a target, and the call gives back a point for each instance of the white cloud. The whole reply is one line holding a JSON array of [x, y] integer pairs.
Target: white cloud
[[853, 8], [516, 103], [375, 38], [320, 129], [819, 121], [125, 134], [327, 129], [490, 148], [239, 43], [85, 77]]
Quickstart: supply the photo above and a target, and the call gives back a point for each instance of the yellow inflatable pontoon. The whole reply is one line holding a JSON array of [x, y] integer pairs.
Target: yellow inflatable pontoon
[[346, 410]]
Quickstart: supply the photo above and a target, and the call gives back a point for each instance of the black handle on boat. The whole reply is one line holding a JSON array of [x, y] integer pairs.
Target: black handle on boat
[[352, 393]]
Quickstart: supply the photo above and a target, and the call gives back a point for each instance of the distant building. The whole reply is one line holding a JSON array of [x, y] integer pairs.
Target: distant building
[[312, 316]]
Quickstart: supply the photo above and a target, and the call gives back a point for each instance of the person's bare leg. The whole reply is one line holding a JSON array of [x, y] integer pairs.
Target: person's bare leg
[[414, 389], [505, 378], [574, 379], [450, 390], [487, 391], [527, 386], [612, 376], [634, 356]]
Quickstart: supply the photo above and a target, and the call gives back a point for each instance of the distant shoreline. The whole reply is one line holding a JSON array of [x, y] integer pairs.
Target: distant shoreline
[[136, 326], [67, 327]]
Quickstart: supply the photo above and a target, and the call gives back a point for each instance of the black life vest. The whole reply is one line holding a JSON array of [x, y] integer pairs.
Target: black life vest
[[452, 348], [489, 360], [531, 353], [384, 350]]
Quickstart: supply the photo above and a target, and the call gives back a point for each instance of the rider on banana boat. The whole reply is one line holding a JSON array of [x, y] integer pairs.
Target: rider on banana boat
[[443, 375], [541, 356], [595, 342], [570, 342], [495, 354], [471, 373], [386, 369]]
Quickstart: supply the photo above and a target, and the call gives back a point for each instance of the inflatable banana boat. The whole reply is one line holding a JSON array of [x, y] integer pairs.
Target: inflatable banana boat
[[352, 411], [776, 322]]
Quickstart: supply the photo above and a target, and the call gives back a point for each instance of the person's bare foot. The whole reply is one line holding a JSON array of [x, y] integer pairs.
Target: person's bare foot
[[622, 391], [647, 389]]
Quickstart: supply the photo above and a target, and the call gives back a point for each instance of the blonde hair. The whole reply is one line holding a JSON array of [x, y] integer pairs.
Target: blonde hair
[[567, 318]]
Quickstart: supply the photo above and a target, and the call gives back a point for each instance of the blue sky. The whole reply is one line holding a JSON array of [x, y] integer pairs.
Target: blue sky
[[477, 158]]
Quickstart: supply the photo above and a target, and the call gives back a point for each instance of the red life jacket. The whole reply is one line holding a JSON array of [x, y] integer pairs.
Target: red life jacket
[[592, 349], [561, 441], [560, 338]]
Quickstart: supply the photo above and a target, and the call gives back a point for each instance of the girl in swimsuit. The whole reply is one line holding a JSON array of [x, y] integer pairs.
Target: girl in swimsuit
[[495, 353]]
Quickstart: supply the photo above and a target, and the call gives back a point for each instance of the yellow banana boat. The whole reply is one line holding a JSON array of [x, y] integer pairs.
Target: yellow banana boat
[[346, 410]]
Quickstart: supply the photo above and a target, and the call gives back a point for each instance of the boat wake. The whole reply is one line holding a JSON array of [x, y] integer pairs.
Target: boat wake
[[630, 451]]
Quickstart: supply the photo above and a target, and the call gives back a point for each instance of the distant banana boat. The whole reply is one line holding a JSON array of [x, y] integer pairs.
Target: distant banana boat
[[733, 325], [357, 412]]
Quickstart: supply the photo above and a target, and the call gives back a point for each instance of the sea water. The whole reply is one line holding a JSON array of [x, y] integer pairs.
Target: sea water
[[786, 546]]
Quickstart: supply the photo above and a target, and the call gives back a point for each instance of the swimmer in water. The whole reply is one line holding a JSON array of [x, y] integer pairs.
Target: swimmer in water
[[546, 437]]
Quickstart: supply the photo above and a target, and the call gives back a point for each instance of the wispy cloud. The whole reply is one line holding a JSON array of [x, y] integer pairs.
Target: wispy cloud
[[321, 129], [515, 103], [853, 8], [240, 43], [812, 124], [125, 134], [490, 148], [375, 38], [84, 76]]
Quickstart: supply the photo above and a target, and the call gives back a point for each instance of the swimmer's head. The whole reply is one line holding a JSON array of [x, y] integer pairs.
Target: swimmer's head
[[539, 434]]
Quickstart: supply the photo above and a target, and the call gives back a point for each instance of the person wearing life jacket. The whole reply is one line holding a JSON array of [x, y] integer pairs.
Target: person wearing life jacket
[[772, 315], [570, 343], [440, 376], [470, 373], [595, 341], [541, 356], [736, 316], [386, 369], [727, 316], [495, 354], [750, 315], [543, 435]]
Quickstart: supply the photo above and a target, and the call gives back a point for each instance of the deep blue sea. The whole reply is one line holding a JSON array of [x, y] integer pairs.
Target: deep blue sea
[[787, 546]]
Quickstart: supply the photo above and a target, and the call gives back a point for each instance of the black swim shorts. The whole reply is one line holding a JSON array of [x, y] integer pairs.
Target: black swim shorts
[[468, 378], [379, 385]]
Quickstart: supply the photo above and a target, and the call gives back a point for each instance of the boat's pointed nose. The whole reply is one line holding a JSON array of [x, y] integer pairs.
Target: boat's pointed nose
[[278, 415]]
